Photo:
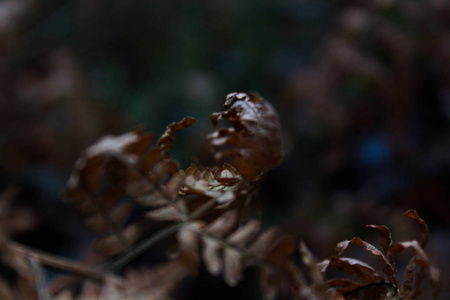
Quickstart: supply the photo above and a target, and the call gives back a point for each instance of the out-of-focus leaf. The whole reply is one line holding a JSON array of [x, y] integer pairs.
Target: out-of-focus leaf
[[211, 256], [314, 272], [163, 171], [188, 248], [149, 160], [99, 181], [173, 186], [118, 215], [232, 267], [274, 246], [174, 212], [112, 245], [222, 225], [229, 251], [6, 292], [219, 228], [13, 220], [245, 234], [126, 165], [317, 287], [232, 258], [91, 290], [269, 283], [64, 295], [155, 283]]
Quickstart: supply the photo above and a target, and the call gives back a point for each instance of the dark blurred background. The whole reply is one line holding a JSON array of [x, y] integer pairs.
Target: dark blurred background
[[362, 89]]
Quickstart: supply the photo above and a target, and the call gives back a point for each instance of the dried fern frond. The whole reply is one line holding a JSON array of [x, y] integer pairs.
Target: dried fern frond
[[374, 285], [119, 166], [228, 250], [253, 144]]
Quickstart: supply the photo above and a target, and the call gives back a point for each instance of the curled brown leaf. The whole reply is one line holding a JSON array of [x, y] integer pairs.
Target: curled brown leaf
[[418, 266], [167, 140], [388, 268], [385, 238], [253, 144], [412, 214], [363, 271]]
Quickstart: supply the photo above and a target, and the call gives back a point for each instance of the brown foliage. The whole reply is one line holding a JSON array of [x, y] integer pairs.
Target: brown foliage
[[254, 142], [374, 285], [210, 213], [120, 165]]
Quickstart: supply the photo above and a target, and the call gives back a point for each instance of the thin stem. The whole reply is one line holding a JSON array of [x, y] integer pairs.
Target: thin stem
[[40, 279], [56, 262], [202, 209], [143, 246], [140, 248]]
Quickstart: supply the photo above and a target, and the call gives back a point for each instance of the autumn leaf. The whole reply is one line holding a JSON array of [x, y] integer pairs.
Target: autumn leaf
[[373, 285], [119, 166], [229, 250], [253, 144]]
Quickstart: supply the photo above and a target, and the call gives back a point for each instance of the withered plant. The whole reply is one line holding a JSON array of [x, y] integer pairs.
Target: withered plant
[[214, 214]]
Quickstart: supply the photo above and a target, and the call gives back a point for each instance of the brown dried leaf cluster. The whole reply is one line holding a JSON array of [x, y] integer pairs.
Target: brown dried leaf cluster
[[253, 143], [119, 166], [209, 212], [371, 284], [228, 250]]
